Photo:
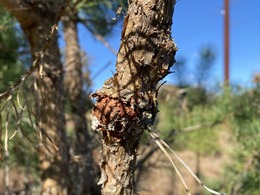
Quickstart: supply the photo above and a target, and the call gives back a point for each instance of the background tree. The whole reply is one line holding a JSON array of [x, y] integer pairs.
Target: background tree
[[53, 153], [180, 73], [205, 64], [96, 16], [94, 20], [96, 23]]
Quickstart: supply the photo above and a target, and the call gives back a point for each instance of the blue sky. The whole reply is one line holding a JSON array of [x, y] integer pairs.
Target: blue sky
[[196, 24]]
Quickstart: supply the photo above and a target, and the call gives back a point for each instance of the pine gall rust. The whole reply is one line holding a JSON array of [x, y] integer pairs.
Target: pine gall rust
[[113, 116]]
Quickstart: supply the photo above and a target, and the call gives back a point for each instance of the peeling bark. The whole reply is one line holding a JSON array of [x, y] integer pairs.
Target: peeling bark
[[81, 176], [127, 103], [36, 19]]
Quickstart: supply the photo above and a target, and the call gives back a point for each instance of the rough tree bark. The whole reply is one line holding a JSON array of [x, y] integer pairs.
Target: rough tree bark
[[36, 19], [82, 178], [127, 103]]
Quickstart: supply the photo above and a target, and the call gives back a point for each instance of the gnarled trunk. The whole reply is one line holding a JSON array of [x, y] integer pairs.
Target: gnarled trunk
[[36, 19], [82, 178], [127, 103]]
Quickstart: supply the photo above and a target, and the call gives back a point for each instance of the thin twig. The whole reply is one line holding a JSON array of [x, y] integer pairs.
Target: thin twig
[[157, 139], [5, 104], [6, 131], [100, 70], [199, 126], [18, 101], [98, 36], [14, 108]]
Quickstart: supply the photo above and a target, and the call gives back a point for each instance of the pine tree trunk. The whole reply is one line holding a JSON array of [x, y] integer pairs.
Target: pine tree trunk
[[82, 178], [54, 154], [127, 103], [36, 19]]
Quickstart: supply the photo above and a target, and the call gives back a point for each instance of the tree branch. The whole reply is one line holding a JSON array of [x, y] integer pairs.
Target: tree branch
[[98, 36]]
